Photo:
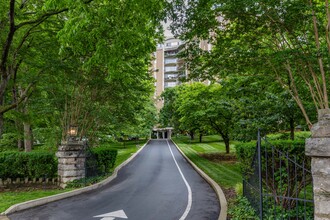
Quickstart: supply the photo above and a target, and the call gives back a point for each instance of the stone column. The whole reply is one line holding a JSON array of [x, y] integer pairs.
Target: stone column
[[157, 135], [163, 132], [318, 147], [169, 134], [71, 162]]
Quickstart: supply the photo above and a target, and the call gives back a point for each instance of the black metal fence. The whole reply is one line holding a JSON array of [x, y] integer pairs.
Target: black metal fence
[[91, 167], [279, 185]]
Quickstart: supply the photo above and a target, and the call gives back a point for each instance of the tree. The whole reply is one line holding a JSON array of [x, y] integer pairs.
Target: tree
[[261, 104], [288, 41], [201, 106], [85, 62]]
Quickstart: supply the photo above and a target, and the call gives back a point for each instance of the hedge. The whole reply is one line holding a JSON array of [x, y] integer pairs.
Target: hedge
[[103, 158], [41, 164], [31, 165], [246, 151]]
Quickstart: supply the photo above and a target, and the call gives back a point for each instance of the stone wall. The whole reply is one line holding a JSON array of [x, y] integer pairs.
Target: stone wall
[[318, 147]]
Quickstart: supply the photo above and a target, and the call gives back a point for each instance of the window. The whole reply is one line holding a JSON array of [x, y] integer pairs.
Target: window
[[170, 68], [170, 84], [170, 60]]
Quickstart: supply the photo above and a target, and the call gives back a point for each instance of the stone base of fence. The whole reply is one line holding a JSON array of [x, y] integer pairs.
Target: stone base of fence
[[28, 181]]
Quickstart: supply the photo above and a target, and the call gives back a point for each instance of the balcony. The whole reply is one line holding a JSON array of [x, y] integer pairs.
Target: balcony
[[170, 69], [170, 77]]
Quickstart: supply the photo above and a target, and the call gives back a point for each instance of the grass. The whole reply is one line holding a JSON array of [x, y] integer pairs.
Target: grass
[[8, 199], [226, 174], [125, 151]]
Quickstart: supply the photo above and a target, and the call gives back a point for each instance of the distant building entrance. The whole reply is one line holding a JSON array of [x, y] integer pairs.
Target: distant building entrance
[[162, 133]]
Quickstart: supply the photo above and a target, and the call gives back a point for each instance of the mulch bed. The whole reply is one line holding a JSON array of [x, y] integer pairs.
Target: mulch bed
[[27, 187], [219, 157], [229, 193]]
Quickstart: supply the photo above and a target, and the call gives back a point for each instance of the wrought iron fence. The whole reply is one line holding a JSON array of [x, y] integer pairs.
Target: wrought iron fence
[[279, 185], [91, 166], [92, 169]]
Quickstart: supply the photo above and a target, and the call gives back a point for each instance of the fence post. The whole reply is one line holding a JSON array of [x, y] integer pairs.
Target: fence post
[[260, 174]]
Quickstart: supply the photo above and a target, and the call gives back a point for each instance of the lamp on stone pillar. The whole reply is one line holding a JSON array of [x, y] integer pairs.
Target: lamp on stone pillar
[[72, 133]]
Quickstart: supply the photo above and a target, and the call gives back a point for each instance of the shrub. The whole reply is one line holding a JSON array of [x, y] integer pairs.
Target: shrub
[[242, 209], [280, 174], [32, 165], [8, 141], [103, 158], [87, 181], [245, 151], [298, 135]]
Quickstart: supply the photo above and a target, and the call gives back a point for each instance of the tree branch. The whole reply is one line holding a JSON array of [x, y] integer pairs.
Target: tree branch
[[9, 39], [25, 94], [317, 41], [41, 18]]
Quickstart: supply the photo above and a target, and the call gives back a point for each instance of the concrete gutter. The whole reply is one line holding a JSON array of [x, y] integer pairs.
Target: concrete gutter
[[45, 200], [214, 185]]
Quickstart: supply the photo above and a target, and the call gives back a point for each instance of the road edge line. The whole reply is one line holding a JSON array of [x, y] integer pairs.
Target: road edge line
[[188, 208], [53, 198], [214, 185]]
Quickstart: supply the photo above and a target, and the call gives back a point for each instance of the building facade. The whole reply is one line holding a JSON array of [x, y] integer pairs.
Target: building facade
[[167, 67]]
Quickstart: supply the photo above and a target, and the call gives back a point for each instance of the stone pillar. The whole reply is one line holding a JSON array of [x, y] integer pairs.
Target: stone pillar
[[163, 133], [71, 162], [318, 147], [157, 135], [169, 134]]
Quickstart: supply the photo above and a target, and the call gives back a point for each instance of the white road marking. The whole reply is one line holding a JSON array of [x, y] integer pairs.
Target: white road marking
[[112, 215], [185, 214]]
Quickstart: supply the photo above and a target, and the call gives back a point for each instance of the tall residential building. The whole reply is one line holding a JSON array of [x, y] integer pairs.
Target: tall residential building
[[168, 68]]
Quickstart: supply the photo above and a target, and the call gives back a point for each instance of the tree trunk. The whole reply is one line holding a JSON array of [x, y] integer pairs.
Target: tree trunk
[[291, 128], [192, 135], [226, 141], [20, 144], [200, 138], [28, 138], [1, 125]]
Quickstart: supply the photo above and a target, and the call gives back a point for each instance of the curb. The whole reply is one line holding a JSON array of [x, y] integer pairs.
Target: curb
[[214, 185], [48, 199]]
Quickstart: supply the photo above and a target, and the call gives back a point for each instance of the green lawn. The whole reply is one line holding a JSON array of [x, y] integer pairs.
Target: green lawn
[[226, 174], [8, 199], [125, 151]]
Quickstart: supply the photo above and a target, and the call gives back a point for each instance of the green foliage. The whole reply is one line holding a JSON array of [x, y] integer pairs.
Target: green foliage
[[304, 211], [246, 151], [32, 165], [105, 157], [84, 63], [87, 181], [301, 135], [239, 189], [8, 142], [242, 209], [280, 173], [284, 42], [197, 107]]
